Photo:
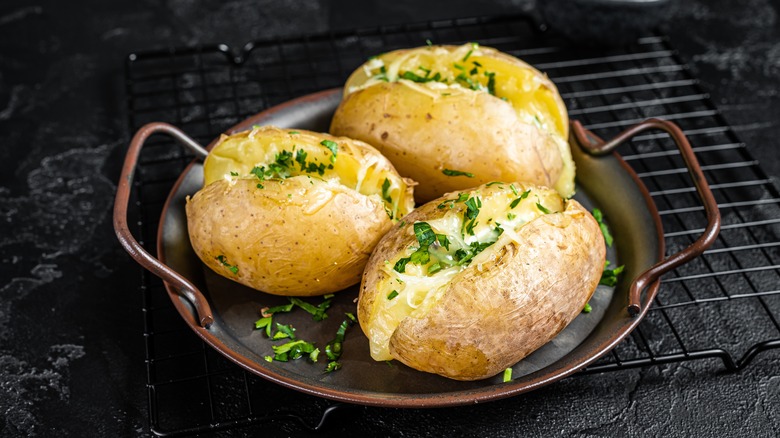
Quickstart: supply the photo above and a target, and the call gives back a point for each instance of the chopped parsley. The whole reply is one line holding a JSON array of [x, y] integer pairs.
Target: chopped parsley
[[293, 132], [450, 172], [587, 308], [300, 158], [317, 312], [451, 202], [542, 208], [392, 294], [333, 348], [333, 147], [609, 277], [604, 230], [421, 256], [264, 322], [507, 374], [520, 198], [223, 260], [408, 75], [400, 265], [295, 350], [284, 332], [491, 85], [386, 192]]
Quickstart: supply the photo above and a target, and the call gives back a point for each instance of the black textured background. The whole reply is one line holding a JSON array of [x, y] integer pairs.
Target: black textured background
[[71, 347]]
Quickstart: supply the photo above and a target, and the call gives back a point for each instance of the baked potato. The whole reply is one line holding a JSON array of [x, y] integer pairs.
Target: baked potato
[[469, 284], [293, 212], [455, 117]]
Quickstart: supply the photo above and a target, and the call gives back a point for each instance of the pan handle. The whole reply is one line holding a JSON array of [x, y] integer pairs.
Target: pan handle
[[594, 145], [131, 245]]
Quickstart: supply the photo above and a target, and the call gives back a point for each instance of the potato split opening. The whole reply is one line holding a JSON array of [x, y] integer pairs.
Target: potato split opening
[[461, 239], [272, 153]]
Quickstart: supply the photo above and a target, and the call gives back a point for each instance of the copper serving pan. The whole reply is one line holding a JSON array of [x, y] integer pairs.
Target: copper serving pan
[[222, 312]]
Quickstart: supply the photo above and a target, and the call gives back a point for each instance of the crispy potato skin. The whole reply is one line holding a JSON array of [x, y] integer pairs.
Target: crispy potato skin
[[315, 241], [493, 314], [422, 135]]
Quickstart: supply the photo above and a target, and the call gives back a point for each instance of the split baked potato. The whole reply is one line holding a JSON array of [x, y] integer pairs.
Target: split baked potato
[[469, 284], [454, 117], [293, 212]]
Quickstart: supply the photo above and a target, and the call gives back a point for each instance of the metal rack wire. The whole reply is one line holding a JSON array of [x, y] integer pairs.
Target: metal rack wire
[[725, 305]]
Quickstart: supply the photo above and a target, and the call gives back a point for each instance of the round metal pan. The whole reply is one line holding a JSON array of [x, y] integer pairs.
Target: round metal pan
[[223, 313]]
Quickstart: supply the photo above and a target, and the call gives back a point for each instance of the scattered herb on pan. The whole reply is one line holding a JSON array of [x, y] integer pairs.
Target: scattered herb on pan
[[295, 350], [334, 348], [604, 230], [450, 172], [317, 312], [609, 277], [507, 374], [223, 260], [587, 308]]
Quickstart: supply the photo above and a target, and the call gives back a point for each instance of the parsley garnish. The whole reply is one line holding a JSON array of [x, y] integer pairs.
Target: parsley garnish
[[609, 276], [542, 208], [450, 172], [408, 75], [333, 348], [223, 260], [392, 294], [333, 147], [604, 230], [284, 332], [295, 350], [400, 265], [507, 374], [317, 312], [300, 158], [587, 308], [386, 191], [491, 85], [517, 201]]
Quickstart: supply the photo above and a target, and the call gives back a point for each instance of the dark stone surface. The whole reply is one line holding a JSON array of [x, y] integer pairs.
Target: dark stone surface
[[71, 347]]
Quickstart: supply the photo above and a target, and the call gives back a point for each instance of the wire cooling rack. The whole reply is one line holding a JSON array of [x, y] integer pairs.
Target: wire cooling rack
[[724, 305]]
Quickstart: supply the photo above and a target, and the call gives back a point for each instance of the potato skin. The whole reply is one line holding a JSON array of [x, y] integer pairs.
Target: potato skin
[[496, 312], [284, 245], [518, 134], [422, 135], [294, 212]]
